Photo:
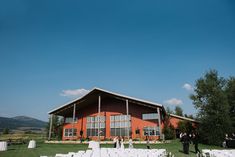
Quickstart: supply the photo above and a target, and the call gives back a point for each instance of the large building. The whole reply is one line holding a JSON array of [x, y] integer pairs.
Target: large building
[[102, 114]]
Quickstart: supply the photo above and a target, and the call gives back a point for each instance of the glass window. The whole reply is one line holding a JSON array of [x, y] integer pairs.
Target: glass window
[[120, 124], [117, 118], [70, 119], [69, 132], [93, 125], [112, 118], [112, 125], [88, 119], [149, 116], [151, 131]]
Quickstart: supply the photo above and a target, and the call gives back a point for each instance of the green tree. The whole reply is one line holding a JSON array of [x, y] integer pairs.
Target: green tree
[[230, 92], [185, 126], [168, 110], [213, 110], [5, 131], [168, 130], [178, 111], [182, 126], [57, 127]]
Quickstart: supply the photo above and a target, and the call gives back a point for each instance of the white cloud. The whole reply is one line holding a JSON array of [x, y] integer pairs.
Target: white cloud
[[173, 101], [188, 87], [74, 92]]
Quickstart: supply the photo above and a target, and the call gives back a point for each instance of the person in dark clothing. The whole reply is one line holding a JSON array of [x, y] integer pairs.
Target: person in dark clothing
[[195, 142], [147, 142], [186, 142]]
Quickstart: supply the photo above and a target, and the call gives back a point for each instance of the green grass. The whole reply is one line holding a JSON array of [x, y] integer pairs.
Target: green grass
[[51, 149]]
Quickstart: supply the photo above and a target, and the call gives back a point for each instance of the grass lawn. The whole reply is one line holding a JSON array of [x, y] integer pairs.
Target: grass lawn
[[51, 149]]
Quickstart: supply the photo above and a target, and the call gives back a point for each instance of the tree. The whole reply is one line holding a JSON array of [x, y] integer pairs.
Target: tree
[[57, 127], [178, 111], [168, 110], [168, 130], [230, 92], [213, 110], [5, 131], [185, 126]]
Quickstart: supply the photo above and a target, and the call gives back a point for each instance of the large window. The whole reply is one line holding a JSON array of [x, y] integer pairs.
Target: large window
[[70, 119], [92, 126], [70, 133], [149, 116], [151, 131], [120, 125]]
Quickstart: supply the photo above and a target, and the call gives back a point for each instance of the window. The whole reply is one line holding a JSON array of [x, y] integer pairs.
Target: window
[[120, 125], [70, 133], [151, 131], [149, 116], [70, 119], [92, 126]]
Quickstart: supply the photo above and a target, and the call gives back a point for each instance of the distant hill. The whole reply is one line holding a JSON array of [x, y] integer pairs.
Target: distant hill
[[21, 122]]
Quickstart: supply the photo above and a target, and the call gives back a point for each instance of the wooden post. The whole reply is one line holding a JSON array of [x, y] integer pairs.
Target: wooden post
[[127, 113], [51, 120], [99, 105], [74, 114], [159, 121]]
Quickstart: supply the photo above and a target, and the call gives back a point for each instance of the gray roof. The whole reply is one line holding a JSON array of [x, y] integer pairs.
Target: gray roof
[[107, 92]]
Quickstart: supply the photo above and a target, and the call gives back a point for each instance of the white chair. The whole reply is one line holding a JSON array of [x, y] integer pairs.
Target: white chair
[[3, 146], [32, 144]]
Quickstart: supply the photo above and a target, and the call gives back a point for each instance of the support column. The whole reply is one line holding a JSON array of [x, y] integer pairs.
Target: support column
[[74, 114], [159, 121], [51, 120], [127, 113], [99, 105]]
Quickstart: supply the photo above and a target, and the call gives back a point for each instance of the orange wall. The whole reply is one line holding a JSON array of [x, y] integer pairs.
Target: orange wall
[[114, 107], [175, 120]]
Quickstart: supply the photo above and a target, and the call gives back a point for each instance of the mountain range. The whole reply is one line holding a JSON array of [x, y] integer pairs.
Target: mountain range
[[21, 123]]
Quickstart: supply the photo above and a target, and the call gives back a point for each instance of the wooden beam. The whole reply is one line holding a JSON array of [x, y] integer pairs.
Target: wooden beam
[[127, 113], [74, 114], [51, 120], [159, 121], [99, 105]]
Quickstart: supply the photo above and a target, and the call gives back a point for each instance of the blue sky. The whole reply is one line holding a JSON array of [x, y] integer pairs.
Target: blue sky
[[144, 49]]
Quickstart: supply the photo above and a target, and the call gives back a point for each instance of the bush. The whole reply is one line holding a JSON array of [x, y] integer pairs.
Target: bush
[[169, 132], [136, 139]]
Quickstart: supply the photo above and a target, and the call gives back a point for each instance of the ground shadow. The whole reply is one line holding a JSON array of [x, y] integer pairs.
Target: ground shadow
[[10, 149], [181, 151]]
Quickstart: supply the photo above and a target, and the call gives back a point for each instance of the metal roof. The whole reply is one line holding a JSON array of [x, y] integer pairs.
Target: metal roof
[[185, 118], [110, 93]]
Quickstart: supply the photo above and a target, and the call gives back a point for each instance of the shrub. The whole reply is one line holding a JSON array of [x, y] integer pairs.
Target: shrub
[[169, 132]]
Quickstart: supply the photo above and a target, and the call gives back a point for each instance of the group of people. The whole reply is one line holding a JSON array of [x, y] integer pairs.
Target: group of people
[[227, 138], [186, 140], [119, 142]]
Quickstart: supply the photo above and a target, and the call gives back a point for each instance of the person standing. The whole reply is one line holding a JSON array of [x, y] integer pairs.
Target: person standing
[[118, 143], [147, 142], [122, 143], [195, 142], [115, 142], [130, 144], [186, 142]]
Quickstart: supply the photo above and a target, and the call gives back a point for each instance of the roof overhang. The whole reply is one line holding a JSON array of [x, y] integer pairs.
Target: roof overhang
[[92, 97], [184, 118]]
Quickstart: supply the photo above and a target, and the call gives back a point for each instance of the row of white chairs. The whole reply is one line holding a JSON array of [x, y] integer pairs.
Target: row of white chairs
[[114, 152], [218, 153], [3, 146]]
